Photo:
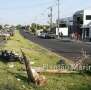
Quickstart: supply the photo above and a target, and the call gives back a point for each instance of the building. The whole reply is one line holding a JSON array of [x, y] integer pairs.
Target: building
[[82, 24], [65, 26]]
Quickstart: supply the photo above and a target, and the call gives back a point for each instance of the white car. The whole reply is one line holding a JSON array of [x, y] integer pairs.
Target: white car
[[43, 35]]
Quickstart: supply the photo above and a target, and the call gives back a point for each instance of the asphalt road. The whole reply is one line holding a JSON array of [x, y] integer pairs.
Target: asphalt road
[[66, 48]]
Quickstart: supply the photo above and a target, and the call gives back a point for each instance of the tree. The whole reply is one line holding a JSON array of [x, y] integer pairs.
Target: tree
[[1, 27], [18, 27], [28, 27], [33, 27]]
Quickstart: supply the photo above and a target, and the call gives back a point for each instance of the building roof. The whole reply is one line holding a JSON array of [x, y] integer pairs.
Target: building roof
[[81, 11], [67, 20]]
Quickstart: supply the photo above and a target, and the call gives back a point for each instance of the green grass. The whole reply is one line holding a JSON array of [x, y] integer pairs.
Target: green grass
[[36, 53], [9, 76]]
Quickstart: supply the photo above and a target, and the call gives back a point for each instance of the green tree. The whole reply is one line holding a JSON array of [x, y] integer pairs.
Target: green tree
[[1, 27], [33, 27], [18, 27]]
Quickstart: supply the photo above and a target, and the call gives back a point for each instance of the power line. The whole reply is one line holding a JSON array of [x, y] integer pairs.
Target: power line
[[51, 12]]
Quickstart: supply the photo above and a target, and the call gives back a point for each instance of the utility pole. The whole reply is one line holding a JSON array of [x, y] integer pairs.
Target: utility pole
[[58, 19], [51, 17]]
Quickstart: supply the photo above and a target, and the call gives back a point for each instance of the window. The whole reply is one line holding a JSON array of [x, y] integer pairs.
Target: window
[[88, 17], [80, 20], [63, 25]]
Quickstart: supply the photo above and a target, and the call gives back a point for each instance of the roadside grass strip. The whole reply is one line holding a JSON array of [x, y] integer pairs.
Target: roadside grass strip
[[13, 77]]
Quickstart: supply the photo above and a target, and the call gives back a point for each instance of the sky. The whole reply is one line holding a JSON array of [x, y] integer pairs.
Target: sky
[[29, 11]]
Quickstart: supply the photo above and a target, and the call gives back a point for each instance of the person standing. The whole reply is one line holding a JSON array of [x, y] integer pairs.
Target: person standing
[[61, 35]]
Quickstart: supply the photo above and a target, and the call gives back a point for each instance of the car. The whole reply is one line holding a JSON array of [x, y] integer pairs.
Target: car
[[42, 35], [47, 35], [26, 31], [51, 35]]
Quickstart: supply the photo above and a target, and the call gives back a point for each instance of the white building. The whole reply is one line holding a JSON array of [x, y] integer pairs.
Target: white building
[[63, 28], [82, 23]]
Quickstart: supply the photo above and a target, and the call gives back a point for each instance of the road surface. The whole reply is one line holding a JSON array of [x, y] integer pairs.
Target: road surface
[[66, 48]]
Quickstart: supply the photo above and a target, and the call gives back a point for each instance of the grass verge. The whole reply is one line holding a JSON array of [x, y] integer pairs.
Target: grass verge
[[16, 79]]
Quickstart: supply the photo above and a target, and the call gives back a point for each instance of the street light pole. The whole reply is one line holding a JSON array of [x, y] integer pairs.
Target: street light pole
[[58, 19], [51, 19]]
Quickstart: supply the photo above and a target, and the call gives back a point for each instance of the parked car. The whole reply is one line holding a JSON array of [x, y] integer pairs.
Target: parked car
[[47, 35], [51, 35], [42, 35]]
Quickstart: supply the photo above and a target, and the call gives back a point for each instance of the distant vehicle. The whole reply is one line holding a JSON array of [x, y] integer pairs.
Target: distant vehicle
[[47, 35], [42, 35], [38, 32], [51, 35], [26, 31]]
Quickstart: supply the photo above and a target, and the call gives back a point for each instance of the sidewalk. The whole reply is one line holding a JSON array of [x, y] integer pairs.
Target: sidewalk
[[65, 39], [81, 41], [88, 43]]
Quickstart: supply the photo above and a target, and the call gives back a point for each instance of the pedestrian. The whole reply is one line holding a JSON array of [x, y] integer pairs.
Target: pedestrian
[[61, 35], [78, 36]]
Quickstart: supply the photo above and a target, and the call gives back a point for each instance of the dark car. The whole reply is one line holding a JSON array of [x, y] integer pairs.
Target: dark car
[[51, 35], [47, 35]]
